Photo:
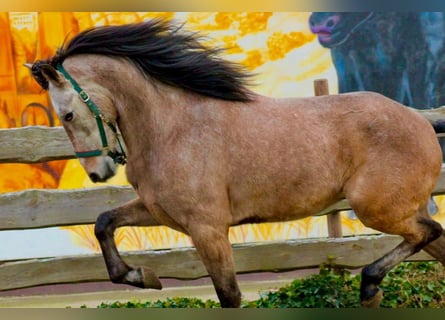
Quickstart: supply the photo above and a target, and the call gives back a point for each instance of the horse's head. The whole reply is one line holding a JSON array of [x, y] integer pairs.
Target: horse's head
[[91, 130]]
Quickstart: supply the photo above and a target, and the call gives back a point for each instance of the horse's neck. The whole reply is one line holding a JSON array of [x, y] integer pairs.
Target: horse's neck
[[149, 114]]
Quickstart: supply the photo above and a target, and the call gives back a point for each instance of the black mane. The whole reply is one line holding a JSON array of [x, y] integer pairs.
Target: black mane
[[164, 51]]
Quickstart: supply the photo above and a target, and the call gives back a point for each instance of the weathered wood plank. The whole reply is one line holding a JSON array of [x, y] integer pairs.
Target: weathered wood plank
[[36, 208], [432, 114], [34, 144], [349, 252]]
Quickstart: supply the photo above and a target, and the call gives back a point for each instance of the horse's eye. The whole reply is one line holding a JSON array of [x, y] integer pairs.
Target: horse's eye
[[68, 117]]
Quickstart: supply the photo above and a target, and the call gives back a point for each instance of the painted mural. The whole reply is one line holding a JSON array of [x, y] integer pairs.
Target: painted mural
[[399, 54], [287, 51]]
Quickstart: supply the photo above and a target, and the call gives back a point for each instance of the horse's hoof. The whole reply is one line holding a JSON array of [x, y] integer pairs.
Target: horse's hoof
[[143, 278], [373, 302]]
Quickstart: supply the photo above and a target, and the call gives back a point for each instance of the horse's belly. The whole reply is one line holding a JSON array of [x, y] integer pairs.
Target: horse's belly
[[285, 206]]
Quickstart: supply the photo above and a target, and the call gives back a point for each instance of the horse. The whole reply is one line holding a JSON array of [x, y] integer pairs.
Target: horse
[[204, 152]]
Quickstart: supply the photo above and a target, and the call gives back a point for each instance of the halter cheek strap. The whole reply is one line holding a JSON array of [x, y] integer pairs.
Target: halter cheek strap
[[118, 157]]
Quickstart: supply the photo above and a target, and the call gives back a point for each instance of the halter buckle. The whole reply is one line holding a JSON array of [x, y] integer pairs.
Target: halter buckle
[[84, 96]]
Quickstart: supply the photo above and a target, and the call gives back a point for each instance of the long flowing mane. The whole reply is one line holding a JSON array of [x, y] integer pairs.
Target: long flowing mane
[[163, 50]]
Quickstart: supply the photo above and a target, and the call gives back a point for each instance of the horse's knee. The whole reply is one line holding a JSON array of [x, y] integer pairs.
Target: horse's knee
[[104, 225]]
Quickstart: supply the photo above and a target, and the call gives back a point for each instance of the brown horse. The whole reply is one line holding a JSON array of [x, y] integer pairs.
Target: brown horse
[[204, 153]]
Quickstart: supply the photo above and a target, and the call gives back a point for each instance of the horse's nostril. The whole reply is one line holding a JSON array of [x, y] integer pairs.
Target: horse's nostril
[[94, 177]]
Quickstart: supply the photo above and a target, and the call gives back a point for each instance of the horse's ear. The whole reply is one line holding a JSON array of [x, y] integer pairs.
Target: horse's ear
[[52, 75]]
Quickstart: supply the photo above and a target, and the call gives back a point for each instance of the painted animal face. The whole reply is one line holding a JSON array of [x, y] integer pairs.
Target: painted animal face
[[334, 28], [81, 125]]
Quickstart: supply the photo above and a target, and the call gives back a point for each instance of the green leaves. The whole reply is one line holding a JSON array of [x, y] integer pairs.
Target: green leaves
[[415, 285], [168, 303]]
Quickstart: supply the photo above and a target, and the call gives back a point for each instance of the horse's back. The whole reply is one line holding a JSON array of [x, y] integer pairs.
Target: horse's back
[[356, 127]]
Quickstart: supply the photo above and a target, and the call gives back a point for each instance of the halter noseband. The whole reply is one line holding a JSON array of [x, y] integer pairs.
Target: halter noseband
[[118, 157]]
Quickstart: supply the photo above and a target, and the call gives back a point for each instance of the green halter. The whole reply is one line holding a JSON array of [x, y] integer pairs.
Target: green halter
[[118, 157]]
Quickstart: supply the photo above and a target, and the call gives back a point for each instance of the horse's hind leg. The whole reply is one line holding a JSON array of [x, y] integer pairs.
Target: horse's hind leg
[[420, 231], [215, 250], [437, 248], [133, 213]]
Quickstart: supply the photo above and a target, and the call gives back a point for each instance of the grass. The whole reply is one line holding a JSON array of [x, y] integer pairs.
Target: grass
[[409, 285]]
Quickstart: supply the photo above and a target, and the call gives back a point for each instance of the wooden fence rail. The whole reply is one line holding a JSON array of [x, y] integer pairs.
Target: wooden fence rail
[[34, 208], [349, 252], [37, 208], [34, 145]]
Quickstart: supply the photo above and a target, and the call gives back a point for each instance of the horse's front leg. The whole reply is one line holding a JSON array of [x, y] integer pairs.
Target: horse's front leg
[[213, 246], [133, 213]]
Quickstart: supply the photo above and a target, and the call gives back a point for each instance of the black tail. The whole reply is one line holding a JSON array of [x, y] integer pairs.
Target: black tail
[[438, 125]]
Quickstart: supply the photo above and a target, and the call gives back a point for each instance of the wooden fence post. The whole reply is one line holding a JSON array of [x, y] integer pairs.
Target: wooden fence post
[[321, 88]]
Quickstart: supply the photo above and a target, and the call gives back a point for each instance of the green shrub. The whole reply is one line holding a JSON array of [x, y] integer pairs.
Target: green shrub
[[409, 285], [328, 289]]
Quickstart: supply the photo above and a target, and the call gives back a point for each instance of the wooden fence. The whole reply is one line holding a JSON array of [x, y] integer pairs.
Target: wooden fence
[[30, 209]]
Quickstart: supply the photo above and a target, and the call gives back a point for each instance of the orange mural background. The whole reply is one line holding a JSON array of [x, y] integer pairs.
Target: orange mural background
[[278, 47]]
